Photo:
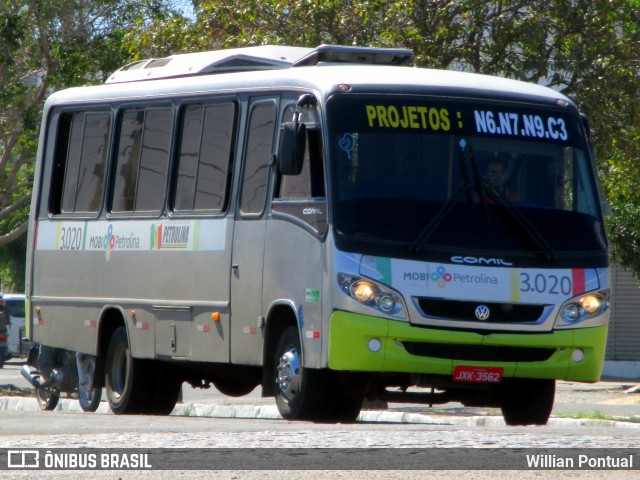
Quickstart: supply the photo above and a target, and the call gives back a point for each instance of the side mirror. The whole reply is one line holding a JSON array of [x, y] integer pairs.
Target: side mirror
[[291, 152]]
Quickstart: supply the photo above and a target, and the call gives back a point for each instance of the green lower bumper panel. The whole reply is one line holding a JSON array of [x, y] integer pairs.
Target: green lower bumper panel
[[371, 344]]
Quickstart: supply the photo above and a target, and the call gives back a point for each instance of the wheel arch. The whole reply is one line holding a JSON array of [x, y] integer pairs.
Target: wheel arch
[[281, 316]]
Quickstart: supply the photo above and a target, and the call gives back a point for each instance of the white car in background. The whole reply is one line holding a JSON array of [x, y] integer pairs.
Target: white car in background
[[15, 308]]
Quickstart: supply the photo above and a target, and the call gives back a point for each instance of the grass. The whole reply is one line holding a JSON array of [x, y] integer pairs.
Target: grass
[[13, 391], [188, 412], [597, 415]]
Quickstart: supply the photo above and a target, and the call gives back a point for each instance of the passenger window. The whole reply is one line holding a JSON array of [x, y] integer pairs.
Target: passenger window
[[206, 157], [129, 145], [143, 159], [259, 151], [81, 152]]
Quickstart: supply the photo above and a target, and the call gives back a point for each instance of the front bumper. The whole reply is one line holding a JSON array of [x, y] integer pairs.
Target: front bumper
[[350, 334]]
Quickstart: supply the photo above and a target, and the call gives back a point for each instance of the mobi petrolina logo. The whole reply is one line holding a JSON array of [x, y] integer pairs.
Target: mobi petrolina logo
[[169, 236], [441, 277], [114, 241]]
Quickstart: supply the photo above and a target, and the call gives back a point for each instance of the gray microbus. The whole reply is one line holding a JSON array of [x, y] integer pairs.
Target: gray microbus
[[330, 224]]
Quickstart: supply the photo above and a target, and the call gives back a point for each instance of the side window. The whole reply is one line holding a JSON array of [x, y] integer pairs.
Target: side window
[[310, 183], [129, 144], [143, 159], [259, 150], [81, 155], [206, 156]]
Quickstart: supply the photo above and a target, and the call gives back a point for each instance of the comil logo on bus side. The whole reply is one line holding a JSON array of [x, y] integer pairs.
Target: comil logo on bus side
[[312, 211]]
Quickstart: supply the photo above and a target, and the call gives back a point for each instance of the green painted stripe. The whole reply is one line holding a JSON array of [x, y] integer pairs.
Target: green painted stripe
[[383, 265]]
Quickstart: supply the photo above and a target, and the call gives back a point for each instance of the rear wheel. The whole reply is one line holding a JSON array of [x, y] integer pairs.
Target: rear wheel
[[165, 387], [234, 388], [127, 379], [47, 400], [88, 396], [89, 399], [527, 401], [345, 404]]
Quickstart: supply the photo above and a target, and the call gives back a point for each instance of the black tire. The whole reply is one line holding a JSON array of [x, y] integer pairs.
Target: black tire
[[89, 398], [345, 403], [234, 388], [299, 392], [47, 400], [527, 401], [166, 385], [127, 380], [32, 356]]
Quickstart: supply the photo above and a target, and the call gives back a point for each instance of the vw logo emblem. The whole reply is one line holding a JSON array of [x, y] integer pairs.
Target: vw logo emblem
[[482, 312]]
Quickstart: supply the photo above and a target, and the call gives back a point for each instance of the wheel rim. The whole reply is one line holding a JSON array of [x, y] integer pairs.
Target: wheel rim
[[288, 374], [47, 400], [43, 396]]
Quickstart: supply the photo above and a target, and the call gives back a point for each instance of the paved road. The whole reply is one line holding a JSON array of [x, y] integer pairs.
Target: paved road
[[610, 399], [449, 427]]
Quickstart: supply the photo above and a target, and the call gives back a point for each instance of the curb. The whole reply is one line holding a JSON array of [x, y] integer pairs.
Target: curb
[[270, 412]]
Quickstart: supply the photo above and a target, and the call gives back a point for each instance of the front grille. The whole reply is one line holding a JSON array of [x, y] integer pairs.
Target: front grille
[[466, 311], [478, 353]]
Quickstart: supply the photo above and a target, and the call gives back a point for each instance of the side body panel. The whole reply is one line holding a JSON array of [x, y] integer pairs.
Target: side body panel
[[164, 288]]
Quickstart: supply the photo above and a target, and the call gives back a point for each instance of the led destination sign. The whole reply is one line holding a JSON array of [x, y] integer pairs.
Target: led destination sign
[[464, 118]]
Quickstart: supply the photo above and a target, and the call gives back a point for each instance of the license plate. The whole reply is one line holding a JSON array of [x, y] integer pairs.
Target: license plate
[[463, 373]]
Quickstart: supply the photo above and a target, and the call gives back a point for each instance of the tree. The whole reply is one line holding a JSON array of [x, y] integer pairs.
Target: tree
[[48, 45]]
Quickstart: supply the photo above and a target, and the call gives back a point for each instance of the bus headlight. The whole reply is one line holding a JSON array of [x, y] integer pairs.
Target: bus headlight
[[592, 304], [386, 302], [583, 307], [364, 292], [372, 294]]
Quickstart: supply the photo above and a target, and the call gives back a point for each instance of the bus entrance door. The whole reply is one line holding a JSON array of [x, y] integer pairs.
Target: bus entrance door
[[247, 258]]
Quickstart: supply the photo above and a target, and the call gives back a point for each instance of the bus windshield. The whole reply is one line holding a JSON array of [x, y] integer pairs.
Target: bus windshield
[[462, 178]]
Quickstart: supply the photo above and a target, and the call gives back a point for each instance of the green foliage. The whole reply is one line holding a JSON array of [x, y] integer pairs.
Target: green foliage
[[47, 45]]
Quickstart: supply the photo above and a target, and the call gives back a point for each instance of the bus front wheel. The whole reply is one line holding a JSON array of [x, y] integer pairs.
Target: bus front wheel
[[300, 392], [527, 401]]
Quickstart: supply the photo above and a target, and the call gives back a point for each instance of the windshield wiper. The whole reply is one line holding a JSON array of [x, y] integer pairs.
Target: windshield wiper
[[532, 232], [437, 219], [479, 184], [484, 190], [487, 189]]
